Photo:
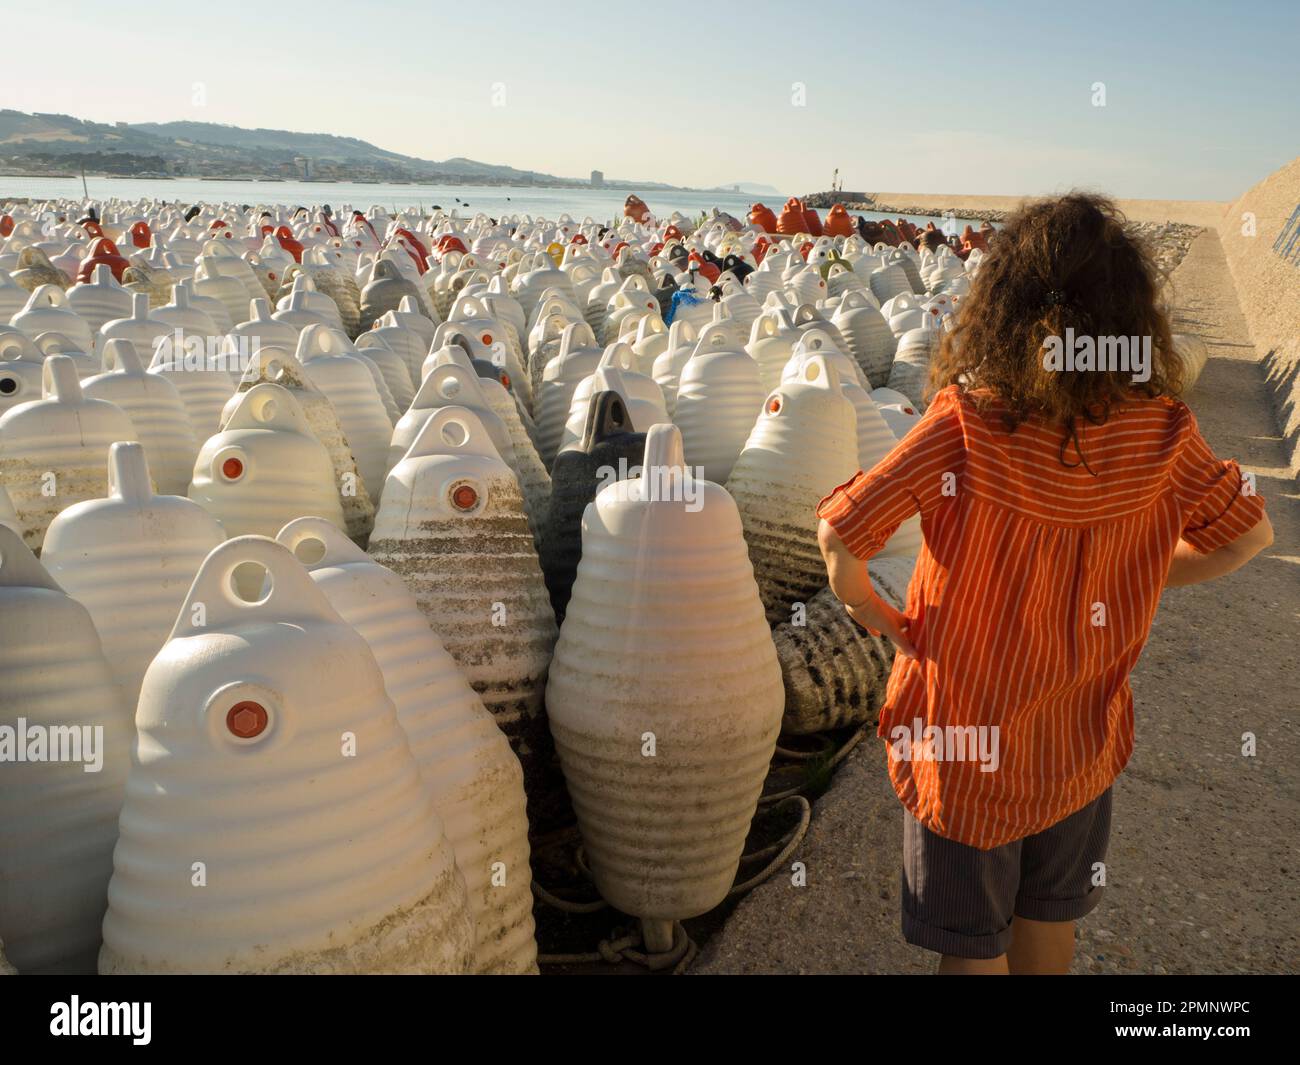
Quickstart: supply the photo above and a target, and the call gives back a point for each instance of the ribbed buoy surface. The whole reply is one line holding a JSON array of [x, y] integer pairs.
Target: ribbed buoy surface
[[803, 445], [156, 411], [718, 398], [610, 450], [271, 365], [834, 671], [58, 821], [340, 372], [664, 697], [455, 530], [275, 819], [265, 468], [54, 451], [477, 783], [129, 559]]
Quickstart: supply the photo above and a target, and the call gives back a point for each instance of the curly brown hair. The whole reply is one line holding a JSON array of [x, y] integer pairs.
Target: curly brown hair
[[1058, 264]]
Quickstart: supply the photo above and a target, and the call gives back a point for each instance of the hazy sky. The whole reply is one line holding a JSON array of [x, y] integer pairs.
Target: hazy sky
[[1202, 99]]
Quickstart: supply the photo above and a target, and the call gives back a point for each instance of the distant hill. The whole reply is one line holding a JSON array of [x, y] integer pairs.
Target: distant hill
[[37, 142]]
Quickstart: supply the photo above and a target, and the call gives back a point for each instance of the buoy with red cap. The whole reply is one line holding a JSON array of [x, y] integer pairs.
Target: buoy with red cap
[[279, 823]]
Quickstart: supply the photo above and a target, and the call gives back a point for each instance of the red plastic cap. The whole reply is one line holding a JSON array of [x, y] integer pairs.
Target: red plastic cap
[[247, 720], [464, 497], [232, 469]]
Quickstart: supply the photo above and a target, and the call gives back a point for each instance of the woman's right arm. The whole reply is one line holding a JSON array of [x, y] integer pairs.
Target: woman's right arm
[[1190, 566]]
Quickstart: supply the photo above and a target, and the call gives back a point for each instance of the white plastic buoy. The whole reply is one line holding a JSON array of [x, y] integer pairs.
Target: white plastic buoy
[[718, 398], [48, 311], [665, 694], [8, 516], [156, 411], [577, 359], [804, 444], [54, 450], [22, 366], [129, 559], [100, 300], [139, 327], [275, 820], [477, 783], [330, 361], [454, 529], [65, 734], [265, 468], [272, 365], [616, 371], [870, 340]]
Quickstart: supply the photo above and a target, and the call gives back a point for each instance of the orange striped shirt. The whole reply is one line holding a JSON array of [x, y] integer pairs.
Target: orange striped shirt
[[1031, 599]]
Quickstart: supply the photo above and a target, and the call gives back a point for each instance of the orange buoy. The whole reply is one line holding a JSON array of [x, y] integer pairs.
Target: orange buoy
[[289, 243], [838, 222], [634, 208], [761, 215], [792, 218], [971, 239], [141, 235], [103, 252], [707, 269], [812, 222]]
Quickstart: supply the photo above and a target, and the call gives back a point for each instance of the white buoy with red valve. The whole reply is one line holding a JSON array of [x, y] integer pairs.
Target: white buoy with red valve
[[275, 820], [265, 468], [804, 444], [452, 525]]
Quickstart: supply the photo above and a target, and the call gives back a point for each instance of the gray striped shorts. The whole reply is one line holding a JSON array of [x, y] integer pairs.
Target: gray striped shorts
[[960, 900]]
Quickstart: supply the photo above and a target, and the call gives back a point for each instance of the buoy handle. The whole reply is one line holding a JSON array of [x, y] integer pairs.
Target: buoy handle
[[292, 593], [122, 355], [128, 472], [59, 379], [452, 430], [338, 550]]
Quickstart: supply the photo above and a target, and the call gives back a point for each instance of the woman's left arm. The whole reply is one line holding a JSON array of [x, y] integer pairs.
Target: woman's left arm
[[851, 585]]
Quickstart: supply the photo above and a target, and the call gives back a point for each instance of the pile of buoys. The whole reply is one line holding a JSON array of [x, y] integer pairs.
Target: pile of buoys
[[487, 501]]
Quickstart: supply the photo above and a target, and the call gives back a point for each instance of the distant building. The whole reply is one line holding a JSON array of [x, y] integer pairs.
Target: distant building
[[735, 188], [597, 179], [304, 166]]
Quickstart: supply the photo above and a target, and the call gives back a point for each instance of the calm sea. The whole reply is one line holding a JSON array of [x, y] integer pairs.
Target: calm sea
[[496, 200]]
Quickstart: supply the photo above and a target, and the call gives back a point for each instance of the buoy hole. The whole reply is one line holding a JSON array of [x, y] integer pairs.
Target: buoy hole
[[455, 433], [251, 583], [310, 550]]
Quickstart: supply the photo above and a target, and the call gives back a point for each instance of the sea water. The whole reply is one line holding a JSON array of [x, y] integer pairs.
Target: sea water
[[601, 204]]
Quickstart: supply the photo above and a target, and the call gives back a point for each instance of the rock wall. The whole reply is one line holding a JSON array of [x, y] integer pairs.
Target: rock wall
[[1254, 233]]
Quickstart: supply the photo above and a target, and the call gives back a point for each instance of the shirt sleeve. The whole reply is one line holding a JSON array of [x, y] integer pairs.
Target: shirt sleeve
[[868, 509], [1221, 503]]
